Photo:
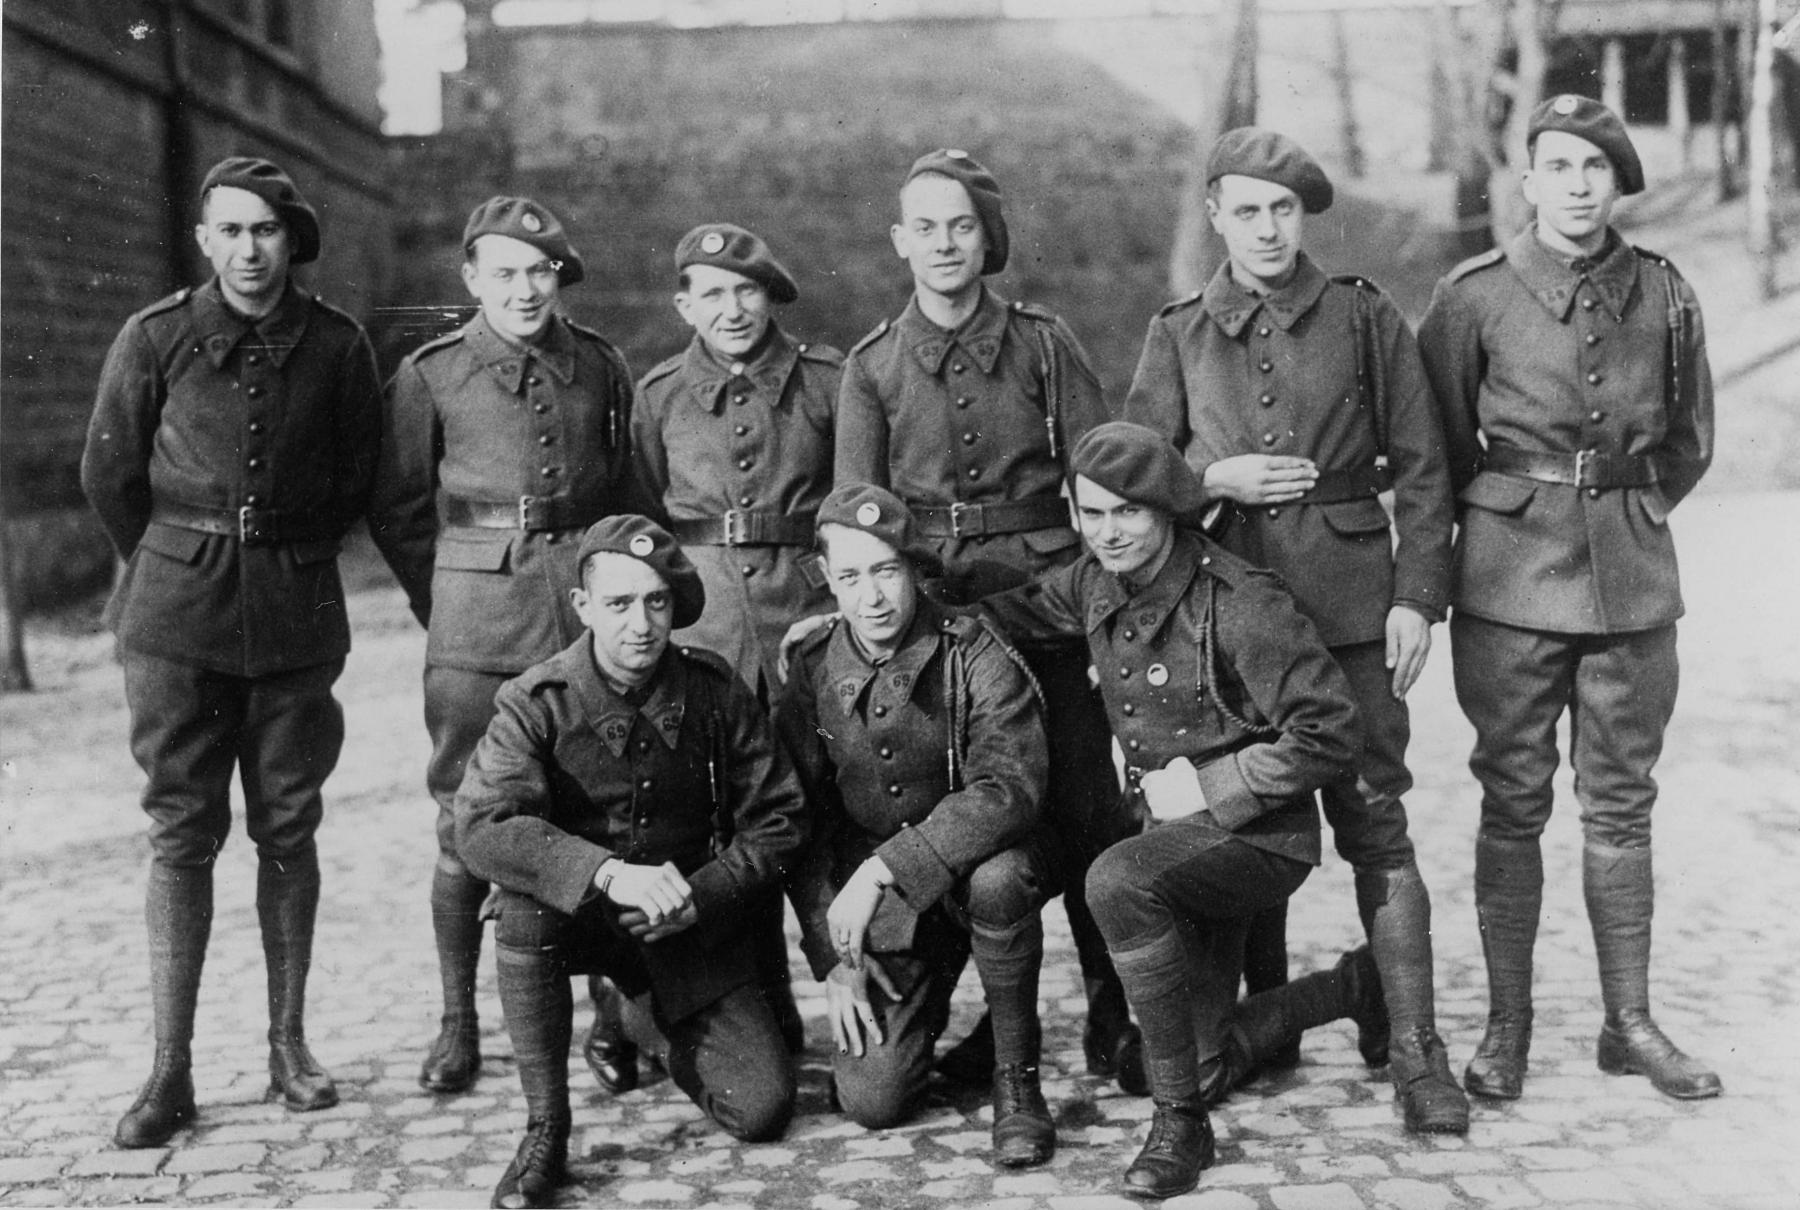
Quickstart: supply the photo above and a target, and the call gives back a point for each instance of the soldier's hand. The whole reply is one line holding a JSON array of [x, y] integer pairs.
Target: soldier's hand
[[658, 891], [1261, 478], [1408, 643], [847, 1004], [1173, 791], [854, 907], [797, 634], [639, 926]]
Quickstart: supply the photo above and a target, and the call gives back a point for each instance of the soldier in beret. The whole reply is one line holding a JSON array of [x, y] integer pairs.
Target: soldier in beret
[[1231, 714], [231, 447], [630, 801], [1571, 372], [1298, 398], [920, 738], [503, 441], [966, 407]]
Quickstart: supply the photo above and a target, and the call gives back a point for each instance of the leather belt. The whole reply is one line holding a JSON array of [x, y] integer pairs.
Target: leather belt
[[740, 527], [1352, 483], [251, 526], [534, 514], [1005, 517], [1594, 469]]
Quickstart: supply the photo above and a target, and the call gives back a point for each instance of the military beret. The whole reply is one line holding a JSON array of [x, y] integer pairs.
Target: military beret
[[1139, 464], [984, 191], [275, 187], [877, 511], [522, 219], [642, 538], [1588, 119], [727, 246], [1268, 156]]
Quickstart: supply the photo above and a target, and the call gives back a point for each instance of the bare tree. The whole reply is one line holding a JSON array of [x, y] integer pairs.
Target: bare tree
[[1764, 239], [15, 677], [1189, 258]]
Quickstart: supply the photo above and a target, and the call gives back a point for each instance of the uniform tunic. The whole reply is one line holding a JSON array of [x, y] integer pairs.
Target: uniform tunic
[[713, 437], [572, 773]]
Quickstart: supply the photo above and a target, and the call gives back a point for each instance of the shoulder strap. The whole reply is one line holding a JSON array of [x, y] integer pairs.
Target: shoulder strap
[[1371, 366], [1677, 323], [881, 329], [1052, 387]]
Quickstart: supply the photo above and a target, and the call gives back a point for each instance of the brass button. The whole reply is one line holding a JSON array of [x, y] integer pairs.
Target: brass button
[[1265, 365], [1128, 708], [1134, 745], [1591, 339], [894, 789], [749, 570], [1596, 416], [254, 359], [1268, 439], [745, 464], [256, 426], [1273, 513], [974, 472], [741, 429], [957, 367], [645, 784], [1124, 674], [1587, 304], [643, 744], [968, 439], [740, 400], [1268, 401], [1593, 493], [881, 712], [737, 369], [540, 408], [254, 464], [1263, 331], [549, 472], [546, 439], [744, 501], [254, 392], [963, 401], [1594, 378], [253, 499], [534, 381], [1130, 634], [887, 754]]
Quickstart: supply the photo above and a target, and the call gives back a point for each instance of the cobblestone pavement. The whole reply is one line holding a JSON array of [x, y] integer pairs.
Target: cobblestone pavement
[[74, 1015]]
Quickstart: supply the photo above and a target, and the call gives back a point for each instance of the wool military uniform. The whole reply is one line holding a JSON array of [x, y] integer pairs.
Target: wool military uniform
[[1325, 368], [932, 760], [972, 430], [495, 456], [1578, 410], [226, 458], [571, 773], [739, 455]]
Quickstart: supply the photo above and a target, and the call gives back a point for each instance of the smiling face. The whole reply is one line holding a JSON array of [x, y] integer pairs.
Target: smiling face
[[248, 246], [1574, 187], [630, 610], [875, 586], [515, 283], [730, 311], [1124, 535], [940, 236], [1261, 223]]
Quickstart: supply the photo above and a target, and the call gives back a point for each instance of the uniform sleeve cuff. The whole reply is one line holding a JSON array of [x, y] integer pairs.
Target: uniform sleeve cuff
[[1229, 798], [567, 880], [919, 873]]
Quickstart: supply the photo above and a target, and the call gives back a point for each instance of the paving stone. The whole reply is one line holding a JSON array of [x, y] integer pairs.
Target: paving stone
[[653, 1193], [1499, 1192], [339, 1201], [1334, 1196], [226, 1184], [27, 1169], [120, 1163], [449, 1199]]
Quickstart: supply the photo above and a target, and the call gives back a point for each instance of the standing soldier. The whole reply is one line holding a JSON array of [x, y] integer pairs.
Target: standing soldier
[[733, 438], [1298, 398], [630, 801], [965, 407], [231, 447], [1577, 403], [504, 440], [921, 740]]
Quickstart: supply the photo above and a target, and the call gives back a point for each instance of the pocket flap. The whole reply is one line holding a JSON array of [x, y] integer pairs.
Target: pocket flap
[[307, 553], [1356, 516], [1499, 493], [182, 545], [474, 551], [1654, 505], [1048, 541]]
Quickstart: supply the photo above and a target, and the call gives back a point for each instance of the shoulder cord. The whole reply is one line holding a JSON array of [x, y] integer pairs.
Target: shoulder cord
[[1052, 389], [1208, 688], [716, 775], [1677, 335], [1371, 370], [954, 714]]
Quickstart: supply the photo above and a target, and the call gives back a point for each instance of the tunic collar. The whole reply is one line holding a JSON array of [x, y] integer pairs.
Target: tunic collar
[[1149, 609], [220, 329], [979, 337], [850, 673], [1555, 280], [508, 362], [610, 713], [1232, 306], [708, 377]]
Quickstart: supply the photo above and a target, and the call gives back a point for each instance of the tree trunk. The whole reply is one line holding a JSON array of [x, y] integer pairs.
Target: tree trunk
[[1760, 150], [1192, 258], [1506, 206], [1721, 101], [1348, 132], [15, 677]]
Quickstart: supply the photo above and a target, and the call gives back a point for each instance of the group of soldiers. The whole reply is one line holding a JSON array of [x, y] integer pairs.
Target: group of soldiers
[[1227, 582]]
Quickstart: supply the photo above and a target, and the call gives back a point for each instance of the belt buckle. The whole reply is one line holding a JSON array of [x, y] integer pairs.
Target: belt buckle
[[1584, 465], [957, 511], [737, 527], [525, 503], [247, 531]]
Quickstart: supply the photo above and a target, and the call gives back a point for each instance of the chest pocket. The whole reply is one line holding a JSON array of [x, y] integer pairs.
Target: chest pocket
[[1362, 519], [1499, 493]]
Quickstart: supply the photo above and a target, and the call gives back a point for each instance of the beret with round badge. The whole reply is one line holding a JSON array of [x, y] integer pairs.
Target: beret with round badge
[[984, 192], [643, 539], [522, 219], [879, 512], [1268, 156], [275, 187], [728, 246], [1586, 118], [1140, 465]]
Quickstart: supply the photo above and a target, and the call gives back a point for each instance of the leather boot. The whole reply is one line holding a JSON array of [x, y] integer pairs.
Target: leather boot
[[1269, 1021], [610, 1055], [178, 906], [454, 1060], [1266, 968], [1509, 893], [1024, 1134], [1179, 1149], [287, 903], [537, 1168], [1619, 888], [1428, 1094]]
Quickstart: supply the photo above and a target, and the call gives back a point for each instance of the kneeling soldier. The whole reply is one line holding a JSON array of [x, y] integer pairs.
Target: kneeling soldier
[[630, 800], [920, 737]]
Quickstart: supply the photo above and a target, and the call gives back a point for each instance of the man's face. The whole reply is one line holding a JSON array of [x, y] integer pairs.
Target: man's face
[[1124, 535], [249, 246], [631, 611], [1573, 186], [730, 311], [876, 588], [940, 235], [515, 284], [1261, 225]]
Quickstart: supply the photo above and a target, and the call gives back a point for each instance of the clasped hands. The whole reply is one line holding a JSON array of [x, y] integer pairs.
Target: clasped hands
[[656, 899]]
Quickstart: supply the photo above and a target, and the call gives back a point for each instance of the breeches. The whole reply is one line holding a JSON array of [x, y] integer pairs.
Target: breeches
[[1368, 822], [459, 705]]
